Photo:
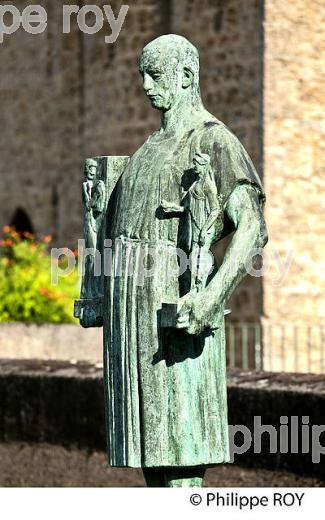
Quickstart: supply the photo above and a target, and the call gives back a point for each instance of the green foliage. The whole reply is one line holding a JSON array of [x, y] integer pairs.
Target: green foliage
[[26, 291]]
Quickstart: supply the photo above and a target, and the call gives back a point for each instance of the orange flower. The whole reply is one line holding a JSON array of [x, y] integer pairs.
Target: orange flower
[[26, 234], [9, 243], [47, 293], [6, 229], [47, 239]]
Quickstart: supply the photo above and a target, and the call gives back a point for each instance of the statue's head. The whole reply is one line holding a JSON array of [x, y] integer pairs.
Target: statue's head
[[170, 69], [201, 163], [90, 169]]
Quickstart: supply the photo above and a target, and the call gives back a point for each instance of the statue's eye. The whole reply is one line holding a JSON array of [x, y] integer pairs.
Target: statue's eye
[[155, 75]]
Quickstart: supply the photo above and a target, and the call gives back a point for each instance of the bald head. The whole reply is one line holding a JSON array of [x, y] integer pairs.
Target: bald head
[[170, 63], [172, 49]]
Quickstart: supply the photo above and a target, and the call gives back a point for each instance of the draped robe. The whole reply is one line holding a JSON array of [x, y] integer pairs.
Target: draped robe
[[165, 390]]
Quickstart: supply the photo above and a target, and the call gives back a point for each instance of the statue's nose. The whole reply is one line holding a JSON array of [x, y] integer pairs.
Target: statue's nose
[[147, 83]]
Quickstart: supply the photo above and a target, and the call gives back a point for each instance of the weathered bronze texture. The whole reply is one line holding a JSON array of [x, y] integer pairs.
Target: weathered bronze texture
[[189, 185]]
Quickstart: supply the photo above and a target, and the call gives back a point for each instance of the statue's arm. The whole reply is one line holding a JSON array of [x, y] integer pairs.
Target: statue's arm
[[244, 211], [85, 196], [171, 207], [202, 311]]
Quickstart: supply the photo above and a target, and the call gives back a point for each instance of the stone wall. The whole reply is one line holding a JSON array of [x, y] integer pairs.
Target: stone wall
[[69, 343], [67, 97], [294, 171]]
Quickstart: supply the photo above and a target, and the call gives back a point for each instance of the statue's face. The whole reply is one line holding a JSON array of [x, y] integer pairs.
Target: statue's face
[[199, 169], [161, 80], [91, 172]]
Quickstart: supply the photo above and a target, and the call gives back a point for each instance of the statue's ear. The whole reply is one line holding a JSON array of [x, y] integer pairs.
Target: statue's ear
[[188, 77]]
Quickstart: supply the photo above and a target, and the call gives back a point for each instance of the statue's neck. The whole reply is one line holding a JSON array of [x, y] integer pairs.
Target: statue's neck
[[180, 116]]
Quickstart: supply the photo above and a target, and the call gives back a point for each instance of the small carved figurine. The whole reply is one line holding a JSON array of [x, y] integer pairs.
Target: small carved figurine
[[94, 206], [202, 208]]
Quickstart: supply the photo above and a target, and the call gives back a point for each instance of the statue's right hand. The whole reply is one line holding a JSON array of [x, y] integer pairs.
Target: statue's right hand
[[89, 318]]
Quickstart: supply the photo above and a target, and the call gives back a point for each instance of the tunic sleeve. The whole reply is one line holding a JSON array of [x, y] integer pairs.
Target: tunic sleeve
[[230, 163]]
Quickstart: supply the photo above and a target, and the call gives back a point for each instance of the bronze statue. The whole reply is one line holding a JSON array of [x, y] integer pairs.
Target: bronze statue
[[188, 186]]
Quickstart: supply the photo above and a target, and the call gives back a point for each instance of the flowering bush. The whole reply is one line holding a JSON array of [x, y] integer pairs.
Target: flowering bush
[[26, 292]]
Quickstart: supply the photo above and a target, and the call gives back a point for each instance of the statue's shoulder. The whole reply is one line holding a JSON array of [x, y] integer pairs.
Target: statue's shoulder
[[214, 133], [229, 159]]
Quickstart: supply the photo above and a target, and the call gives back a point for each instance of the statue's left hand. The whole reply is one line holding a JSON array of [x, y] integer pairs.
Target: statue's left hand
[[197, 313]]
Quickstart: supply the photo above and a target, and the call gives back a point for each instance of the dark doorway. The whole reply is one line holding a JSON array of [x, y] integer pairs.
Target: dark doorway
[[21, 221]]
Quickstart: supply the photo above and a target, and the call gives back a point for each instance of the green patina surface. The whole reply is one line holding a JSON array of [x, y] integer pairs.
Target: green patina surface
[[188, 186]]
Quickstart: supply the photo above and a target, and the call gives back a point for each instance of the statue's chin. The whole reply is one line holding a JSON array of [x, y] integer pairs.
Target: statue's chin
[[155, 104]]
